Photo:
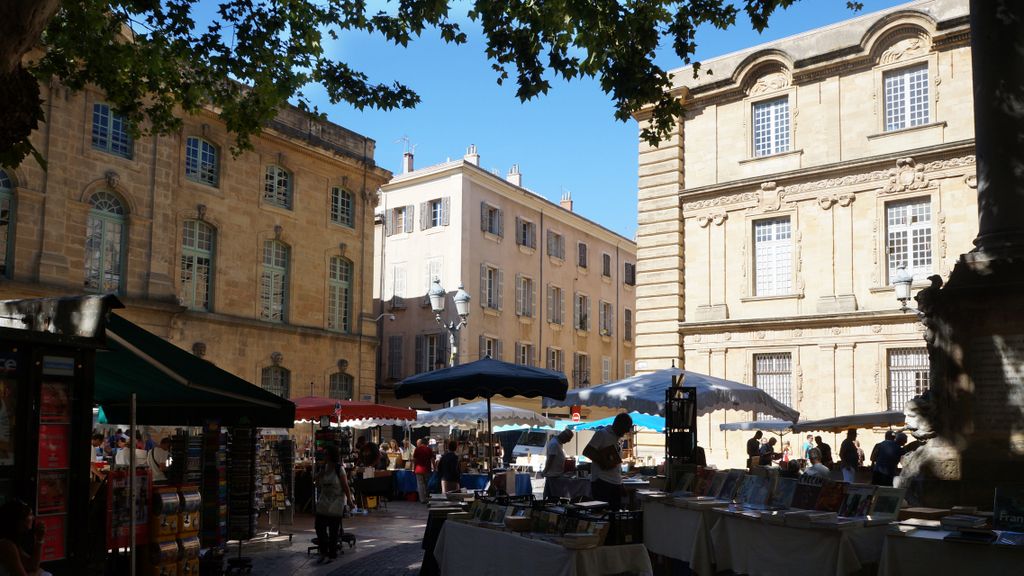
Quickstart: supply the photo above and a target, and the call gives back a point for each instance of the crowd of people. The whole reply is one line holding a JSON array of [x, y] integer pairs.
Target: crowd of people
[[816, 456], [115, 449]]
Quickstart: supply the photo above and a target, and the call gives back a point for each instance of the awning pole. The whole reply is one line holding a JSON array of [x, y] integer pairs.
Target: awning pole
[[131, 487], [490, 444]]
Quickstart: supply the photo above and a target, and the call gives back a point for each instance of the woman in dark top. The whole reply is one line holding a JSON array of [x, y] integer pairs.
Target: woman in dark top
[[448, 469]]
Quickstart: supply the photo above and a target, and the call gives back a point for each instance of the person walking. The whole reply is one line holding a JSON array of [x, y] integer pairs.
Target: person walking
[[606, 454], [448, 469], [423, 465], [332, 484], [554, 461], [848, 456], [826, 452]]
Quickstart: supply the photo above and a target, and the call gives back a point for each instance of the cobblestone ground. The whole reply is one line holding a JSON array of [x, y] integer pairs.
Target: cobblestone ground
[[388, 543]]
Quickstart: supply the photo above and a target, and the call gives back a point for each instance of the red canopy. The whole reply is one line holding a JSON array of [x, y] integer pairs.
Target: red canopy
[[313, 407]]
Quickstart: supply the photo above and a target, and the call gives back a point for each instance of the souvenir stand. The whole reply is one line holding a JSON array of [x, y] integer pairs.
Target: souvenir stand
[[47, 357], [276, 477]]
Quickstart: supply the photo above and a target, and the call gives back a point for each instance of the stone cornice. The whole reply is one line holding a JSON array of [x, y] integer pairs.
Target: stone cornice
[[861, 318]]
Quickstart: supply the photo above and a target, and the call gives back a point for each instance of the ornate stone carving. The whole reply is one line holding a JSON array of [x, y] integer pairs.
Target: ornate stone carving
[[201, 211], [797, 332], [876, 328], [760, 334], [908, 175], [199, 349], [276, 358], [826, 201], [278, 230], [941, 216], [874, 252], [718, 218], [846, 199], [342, 365], [721, 201], [905, 48], [836, 331], [113, 179], [770, 83], [971, 180], [771, 196], [799, 374]]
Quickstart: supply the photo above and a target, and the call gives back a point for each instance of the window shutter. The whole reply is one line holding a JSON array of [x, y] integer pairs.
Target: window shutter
[[520, 237], [611, 320], [410, 212], [533, 236], [483, 216], [501, 222], [424, 215], [520, 309], [419, 354], [561, 307], [497, 350], [601, 315], [443, 354], [482, 350], [483, 285], [561, 247], [585, 307], [551, 302], [389, 223], [446, 208], [576, 310], [501, 287], [548, 239], [533, 299]]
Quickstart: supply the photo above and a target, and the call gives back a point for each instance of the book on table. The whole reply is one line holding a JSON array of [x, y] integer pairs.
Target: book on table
[[857, 500], [716, 484], [727, 491], [922, 523], [957, 521], [1008, 508], [754, 493], [703, 481], [831, 496], [886, 502], [806, 495], [782, 494], [1007, 538]]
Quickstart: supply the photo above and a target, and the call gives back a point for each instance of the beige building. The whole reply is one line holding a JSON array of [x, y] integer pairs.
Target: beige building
[[549, 287], [805, 172], [260, 263]]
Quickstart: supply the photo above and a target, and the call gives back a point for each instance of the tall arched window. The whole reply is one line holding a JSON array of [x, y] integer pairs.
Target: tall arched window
[[277, 187], [341, 386], [339, 295], [277, 380], [274, 281], [196, 264], [104, 244], [6, 222]]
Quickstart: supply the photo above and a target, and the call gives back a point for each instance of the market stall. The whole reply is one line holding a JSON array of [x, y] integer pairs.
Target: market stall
[[688, 540], [927, 552], [887, 419]]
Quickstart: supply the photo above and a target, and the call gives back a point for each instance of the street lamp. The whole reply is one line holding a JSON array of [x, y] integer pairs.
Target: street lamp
[[901, 282], [461, 298]]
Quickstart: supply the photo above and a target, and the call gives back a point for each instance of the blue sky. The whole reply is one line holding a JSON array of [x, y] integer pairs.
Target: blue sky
[[566, 140]]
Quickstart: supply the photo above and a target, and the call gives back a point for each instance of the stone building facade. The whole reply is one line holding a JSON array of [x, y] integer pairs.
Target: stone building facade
[[260, 263], [549, 287], [771, 224]]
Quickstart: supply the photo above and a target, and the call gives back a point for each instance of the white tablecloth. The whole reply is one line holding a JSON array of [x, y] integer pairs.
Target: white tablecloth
[[463, 549], [756, 548], [924, 552], [680, 533]]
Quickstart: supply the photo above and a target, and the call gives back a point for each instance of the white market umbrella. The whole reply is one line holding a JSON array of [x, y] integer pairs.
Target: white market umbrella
[[474, 414], [646, 393], [886, 419]]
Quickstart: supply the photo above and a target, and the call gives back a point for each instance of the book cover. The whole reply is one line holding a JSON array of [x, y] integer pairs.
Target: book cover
[[729, 488], [715, 489], [857, 500], [806, 495], [687, 482], [831, 496], [1010, 539], [703, 481], [1008, 508], [782, 496], [887, 502], [755, 490], [955, 521]]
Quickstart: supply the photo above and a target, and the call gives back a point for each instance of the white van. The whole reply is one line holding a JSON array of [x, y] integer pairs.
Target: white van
[[529, 449]]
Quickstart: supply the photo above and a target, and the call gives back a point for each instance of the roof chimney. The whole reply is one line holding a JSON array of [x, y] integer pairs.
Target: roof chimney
[[471, 156], [406, 162], [566, 201], [514, 176]]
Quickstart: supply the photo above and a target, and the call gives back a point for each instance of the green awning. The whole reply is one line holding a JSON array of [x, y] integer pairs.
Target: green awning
[[176, 388]]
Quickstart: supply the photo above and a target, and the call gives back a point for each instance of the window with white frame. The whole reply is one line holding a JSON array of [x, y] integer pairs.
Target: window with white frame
[[276, 380], [341, 386], [909, 236], [627, 325], [906, 97], [277, 187], [110, 131], [339, 295], [556, 305], [556, 245], [491, 287], [434, 267], [104, 243], [606, 265], [524, 296], [581, 255], [773, 257], [274, 281], [606, 369], [526, 233], [6, 221], [399, 220], [342, 207], [430, 352], [555, 359], [580, 370], [773, 373], [395, 371], [436, 208], [202, 162], [196, 264], [908, 375], [605, 318], [524, 353], [490, 347], [629, 274], [771, 126], [627, 368], [581, 312], [397, 299], [491, 220]]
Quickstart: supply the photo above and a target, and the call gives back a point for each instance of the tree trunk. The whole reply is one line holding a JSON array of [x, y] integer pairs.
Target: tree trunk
[[21, 24]]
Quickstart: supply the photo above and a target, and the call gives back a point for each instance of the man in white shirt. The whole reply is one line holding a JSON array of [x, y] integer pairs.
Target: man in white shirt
[[157, 459], [817, 468], [554, 464], [605, 453]]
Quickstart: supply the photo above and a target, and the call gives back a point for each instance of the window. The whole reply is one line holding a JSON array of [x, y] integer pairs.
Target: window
[[581, 312], [556, 305], [555, 361], [909, 236], [397, 299], [773, 374], [277, 380], [605, 317], [627, 368], [773, 257], [6, 219], [491, 280], [395, 357], [342, 207], [201, 161], [104, 244], [908, 375], [906, 97], [196, 264], [606, 369], [627, 325], [526, 233], [556, 245], [434, 213], [399, 220], [491, 220], [277, 187], [524, 353], [339, 295], [581, 257], [490, 347], [341, 386], [431, 352], [606, 265], [771, 126], [110, 131], [274, 282], [434, 268], [629, 274], [580, 370], [524, 296]]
